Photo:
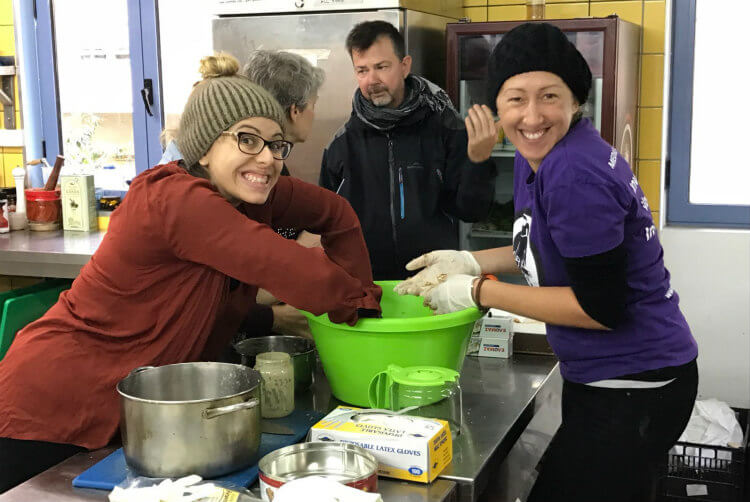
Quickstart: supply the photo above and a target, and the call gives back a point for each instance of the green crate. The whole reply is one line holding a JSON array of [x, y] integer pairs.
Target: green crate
[[22, 306]]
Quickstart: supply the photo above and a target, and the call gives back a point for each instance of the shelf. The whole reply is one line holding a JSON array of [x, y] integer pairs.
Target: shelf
[[503, 153], [491, 234]]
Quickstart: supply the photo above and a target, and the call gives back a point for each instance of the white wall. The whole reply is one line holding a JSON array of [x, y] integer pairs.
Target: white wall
[[711, 273]]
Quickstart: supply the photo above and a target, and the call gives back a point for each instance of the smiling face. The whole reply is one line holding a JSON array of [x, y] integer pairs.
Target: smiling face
[[380, 73], [237, 175], [535, 111]]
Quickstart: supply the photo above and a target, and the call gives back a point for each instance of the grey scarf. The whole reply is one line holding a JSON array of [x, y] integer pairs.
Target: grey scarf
[[419, 93]]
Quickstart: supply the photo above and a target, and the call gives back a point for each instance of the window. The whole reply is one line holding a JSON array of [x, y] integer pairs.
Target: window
[[709, 169], [99, 86]]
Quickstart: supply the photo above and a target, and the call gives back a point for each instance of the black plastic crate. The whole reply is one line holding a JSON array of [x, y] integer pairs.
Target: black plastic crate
[[721, 478]]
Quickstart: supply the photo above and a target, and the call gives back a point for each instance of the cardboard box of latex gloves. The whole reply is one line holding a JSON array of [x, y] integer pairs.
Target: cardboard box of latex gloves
[[492, 337], [410, 448]]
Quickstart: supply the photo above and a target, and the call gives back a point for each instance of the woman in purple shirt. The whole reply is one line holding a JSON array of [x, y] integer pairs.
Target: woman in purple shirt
[[585, 241]]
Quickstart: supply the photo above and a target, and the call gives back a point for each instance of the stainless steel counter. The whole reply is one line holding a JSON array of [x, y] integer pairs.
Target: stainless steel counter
[[498, 400], [55, 485], [47, 254]]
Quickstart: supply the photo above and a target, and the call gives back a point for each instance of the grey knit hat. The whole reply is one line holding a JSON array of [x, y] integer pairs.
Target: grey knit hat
[[217, 103]]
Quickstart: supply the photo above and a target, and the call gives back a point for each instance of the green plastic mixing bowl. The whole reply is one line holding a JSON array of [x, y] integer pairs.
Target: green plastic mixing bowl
[[408, 334]]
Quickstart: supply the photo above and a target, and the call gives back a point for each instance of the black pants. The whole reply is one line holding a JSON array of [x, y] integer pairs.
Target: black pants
[[610, 441], [21, 460]]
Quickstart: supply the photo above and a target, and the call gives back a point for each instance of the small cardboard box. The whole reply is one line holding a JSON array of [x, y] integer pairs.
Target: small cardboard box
[[496, 347], [492, 337], [410, 448], [78, 202]]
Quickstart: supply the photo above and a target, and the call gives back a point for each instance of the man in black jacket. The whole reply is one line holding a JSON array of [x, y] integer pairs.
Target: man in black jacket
[[404, 159]]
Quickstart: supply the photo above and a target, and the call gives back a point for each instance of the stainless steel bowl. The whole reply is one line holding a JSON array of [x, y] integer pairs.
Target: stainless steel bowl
[[346, 463], [301, 349], [191, 418]]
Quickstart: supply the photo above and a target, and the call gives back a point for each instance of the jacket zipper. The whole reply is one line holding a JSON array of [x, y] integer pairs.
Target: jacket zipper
[[392, 175], [401, 189]]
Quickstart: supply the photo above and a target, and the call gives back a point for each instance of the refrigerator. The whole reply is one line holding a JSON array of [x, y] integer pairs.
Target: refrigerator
[[317, 30]]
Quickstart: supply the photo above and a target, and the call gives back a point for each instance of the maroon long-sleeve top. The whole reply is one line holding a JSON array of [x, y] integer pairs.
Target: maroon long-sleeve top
[[157, 292]]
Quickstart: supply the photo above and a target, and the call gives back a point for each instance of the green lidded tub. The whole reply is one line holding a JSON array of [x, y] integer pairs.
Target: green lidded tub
[[408, 334]]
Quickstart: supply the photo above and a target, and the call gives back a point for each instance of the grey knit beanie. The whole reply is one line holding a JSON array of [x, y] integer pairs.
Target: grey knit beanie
[[220, 100]]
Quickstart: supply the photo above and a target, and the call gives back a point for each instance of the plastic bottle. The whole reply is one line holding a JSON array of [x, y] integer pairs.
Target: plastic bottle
[[535, 9]]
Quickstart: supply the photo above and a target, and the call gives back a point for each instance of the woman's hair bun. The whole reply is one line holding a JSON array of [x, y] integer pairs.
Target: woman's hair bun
[[219, 65]]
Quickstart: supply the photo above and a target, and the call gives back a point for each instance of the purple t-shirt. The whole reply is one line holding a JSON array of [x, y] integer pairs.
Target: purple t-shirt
[[584, 200]]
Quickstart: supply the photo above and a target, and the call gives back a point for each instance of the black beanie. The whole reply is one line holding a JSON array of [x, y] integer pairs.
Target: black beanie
[[538, 47]]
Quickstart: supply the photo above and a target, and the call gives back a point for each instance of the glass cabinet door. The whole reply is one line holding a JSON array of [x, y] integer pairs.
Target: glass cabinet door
[[473, 55]]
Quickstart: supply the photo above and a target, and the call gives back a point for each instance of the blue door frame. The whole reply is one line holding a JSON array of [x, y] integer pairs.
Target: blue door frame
[[144, 56], [144, 60]]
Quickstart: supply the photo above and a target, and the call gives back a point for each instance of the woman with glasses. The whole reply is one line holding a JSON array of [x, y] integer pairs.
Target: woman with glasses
[[176, 273], [294, 82]]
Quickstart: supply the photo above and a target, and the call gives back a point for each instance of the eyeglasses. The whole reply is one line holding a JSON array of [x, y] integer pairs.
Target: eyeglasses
[[252, 144]]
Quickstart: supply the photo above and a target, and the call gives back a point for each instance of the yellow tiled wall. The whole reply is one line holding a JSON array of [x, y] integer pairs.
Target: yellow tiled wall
[[650, 15], [10, 157]]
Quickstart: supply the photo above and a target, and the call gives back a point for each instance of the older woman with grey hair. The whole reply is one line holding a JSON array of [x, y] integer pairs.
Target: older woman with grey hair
[[293, 81]]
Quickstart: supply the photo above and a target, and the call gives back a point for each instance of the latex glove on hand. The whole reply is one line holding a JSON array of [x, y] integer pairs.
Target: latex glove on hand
[[452, 295], [438, 265]]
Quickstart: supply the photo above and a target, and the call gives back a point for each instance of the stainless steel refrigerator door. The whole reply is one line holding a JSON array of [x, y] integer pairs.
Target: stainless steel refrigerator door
[[320, 38]]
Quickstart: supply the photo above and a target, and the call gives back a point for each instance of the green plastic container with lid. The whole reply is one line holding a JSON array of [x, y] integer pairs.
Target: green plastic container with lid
[[424, 391], [408, 334]]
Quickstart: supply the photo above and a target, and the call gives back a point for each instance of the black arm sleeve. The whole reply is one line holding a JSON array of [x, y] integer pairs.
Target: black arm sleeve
[[469, 188], [600, 285]]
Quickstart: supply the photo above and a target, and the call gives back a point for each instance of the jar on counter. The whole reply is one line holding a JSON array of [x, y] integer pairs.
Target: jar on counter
[[4, 215], [9, 193], [535, 9], [278, 384], [43, 209]]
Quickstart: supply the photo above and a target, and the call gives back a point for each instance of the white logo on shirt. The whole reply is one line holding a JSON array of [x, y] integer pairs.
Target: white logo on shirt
[[522, 249], [669, 294], [644, 203], [650, 232], [612, 158], [634, 184]]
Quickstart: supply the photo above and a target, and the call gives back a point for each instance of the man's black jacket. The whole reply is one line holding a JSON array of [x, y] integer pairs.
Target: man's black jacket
[[409, 185]]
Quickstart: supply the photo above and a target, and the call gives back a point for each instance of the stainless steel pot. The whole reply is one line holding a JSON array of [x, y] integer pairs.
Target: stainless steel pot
[[191, 418], [301, 349]]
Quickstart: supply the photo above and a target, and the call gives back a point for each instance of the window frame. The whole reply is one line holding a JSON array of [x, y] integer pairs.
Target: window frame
[[144, 63], [680, 211]]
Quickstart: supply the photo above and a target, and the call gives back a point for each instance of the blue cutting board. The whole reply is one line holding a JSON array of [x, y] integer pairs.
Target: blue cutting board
[[112, 469]]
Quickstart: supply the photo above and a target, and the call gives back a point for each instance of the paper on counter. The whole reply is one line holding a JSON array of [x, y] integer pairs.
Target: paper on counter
[[321, 489]]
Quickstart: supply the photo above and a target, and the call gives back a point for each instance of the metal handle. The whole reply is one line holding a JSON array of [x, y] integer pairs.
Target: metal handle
[[147, 93], [223, 410]]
